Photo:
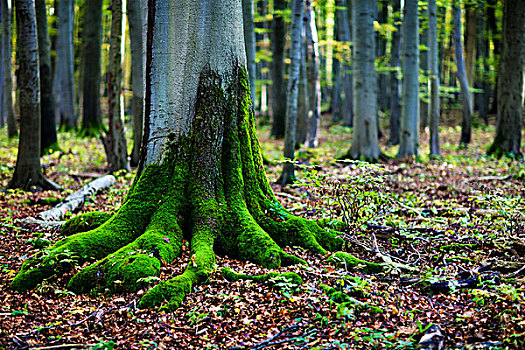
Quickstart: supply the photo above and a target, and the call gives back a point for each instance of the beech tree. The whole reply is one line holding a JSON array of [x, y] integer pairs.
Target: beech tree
[[28, 174], [278, 40], [7, 83], [433, 61], [395, 81], [365, 142], [408, 137], [48, 138], [507, 140], [200, 174]]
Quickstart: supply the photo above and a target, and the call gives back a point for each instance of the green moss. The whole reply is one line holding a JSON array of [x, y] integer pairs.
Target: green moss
[[124, 227], [351, 263], [272, 278], [85, 222]]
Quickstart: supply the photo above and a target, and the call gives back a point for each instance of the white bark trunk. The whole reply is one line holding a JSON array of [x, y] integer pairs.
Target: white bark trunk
[[433, 61]]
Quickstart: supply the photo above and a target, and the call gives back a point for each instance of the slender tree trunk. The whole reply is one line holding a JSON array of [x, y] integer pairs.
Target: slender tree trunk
[[482, 54], [336, 106], [28, 174], [47, 102], [382, 78], [395, 82], [288, 174], [507, 140], [409, 139], [64, 80], [249, 42], [471, 32], [314, 77], [433, 62], [115, 141], [365, 144], [423, 64], [2, 92], [91, 79], [466, 125], [302, 97], [6, 63], [496, 41], [136, 30], [278, 84], [342, 105]]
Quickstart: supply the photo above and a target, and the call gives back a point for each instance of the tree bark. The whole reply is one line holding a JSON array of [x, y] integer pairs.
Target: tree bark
[[365, 144], [200, 175], [92, 41], [135, 10], [288, 173], [301, 130], [395, 82], [278, 69], [342, 103], [423, 64], [507, 140], [249, 42], [28, 174], [409, 139], [314, 78], [433, 61], [64, 80], [471, 32], [8, 75], [115, 141], [48, 139], [466, 124]]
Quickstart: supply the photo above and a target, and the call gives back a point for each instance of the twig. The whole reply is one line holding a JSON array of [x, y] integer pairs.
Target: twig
[[64, 346], [488, 178]]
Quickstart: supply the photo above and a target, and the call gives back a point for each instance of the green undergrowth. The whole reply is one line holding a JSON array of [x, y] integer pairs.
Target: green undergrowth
[[286, 281]]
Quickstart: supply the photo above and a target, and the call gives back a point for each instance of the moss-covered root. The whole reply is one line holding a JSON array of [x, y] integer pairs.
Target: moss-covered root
[[272, 278], [121, 229], [346, 304], [85, 222], [120, 272], [351, 263]]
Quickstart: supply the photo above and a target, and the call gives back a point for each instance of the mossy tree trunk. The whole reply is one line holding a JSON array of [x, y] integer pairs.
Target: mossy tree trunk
[[200, 176]]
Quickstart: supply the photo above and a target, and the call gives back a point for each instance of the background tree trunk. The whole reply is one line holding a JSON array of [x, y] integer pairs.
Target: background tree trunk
[[115, 141], [136, 28], [365, 140], [409, 142], [466, 125], [288, 174], [314, 77], [249, 42], [433, 61], [507, 140], [92, 41], [395, 83], [471, 32], [301, 130], [278, 70], [28, 174], [423, 64], [8, 75], [47, 99], [64, 80]]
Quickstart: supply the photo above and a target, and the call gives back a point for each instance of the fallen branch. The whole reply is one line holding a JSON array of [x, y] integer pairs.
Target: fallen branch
[[75, 200], [488, 178]]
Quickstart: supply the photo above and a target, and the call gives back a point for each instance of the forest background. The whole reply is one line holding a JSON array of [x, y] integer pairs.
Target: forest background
[[436, 213]]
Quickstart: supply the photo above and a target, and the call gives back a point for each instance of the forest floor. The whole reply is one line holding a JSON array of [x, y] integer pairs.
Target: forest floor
[[457, 223]]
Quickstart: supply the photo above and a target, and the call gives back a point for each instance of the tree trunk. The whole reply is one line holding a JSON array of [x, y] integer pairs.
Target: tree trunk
[[492, 22], [471, 32], [382, 78], [466, 124], [507, 140], [342, 105], [365, 144], [92, 41], [423, 64], [395, 83], [314, 78], [278, 86], [115, 141], [249, 42], [200, 175], [6, 64], [48, 139], [28, 174], [302, 97], [433, 60], [135, 10], [64, 80], [409, 139], [288, 174]]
